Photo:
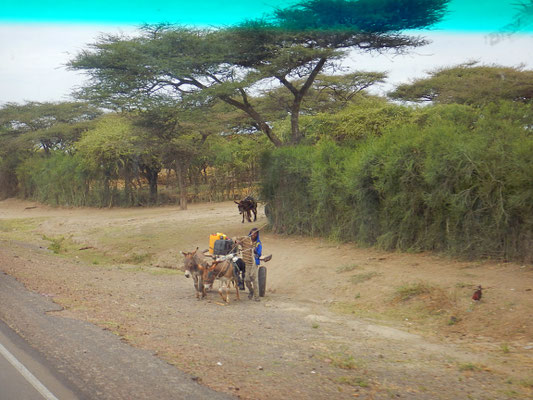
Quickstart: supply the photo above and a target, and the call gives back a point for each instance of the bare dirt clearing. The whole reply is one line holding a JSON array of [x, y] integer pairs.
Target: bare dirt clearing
[[336, 320]]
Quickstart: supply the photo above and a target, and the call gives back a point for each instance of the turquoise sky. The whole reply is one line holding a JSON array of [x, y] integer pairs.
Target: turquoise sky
[[464, 15]]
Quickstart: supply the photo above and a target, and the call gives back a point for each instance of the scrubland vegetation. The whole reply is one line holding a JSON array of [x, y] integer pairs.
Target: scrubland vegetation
[[178, 114]]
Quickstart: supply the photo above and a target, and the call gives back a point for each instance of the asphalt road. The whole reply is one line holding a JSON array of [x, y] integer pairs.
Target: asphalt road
[[25, 374], [77, 360]]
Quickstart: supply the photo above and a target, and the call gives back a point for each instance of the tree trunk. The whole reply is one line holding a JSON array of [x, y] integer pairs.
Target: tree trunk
[[296, 135], [182, 186], [151, 174]]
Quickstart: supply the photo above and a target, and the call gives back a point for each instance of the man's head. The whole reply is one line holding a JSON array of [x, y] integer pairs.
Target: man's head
[[254, 234]]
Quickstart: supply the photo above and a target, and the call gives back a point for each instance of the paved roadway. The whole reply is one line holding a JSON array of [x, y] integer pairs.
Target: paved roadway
[[77, 360], [25, 374]]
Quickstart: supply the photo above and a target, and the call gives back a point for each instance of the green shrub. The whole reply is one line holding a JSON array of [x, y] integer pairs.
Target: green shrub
[[458, 180]]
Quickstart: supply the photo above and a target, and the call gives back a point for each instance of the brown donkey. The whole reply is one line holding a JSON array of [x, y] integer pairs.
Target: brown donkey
[[222, 270], [195, 266]]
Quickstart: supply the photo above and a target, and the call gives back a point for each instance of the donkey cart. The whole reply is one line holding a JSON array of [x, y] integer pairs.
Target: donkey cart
[[240, 253]]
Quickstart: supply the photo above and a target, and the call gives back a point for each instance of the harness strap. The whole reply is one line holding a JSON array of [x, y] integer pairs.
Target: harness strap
[[222, 273]]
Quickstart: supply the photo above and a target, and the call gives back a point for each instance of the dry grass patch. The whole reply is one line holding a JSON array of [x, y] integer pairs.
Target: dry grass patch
[[360, 278], [347, 268], [352, 381]]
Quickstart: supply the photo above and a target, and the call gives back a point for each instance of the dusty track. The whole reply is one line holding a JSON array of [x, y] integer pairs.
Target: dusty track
[[331, 324]]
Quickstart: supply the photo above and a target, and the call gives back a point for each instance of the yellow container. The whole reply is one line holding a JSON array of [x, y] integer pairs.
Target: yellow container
[[213, 238]]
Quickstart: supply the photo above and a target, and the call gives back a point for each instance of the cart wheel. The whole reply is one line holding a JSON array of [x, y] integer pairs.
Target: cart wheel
[[262, 278]]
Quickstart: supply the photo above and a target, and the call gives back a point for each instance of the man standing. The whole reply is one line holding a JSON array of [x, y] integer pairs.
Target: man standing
[[256, 242]]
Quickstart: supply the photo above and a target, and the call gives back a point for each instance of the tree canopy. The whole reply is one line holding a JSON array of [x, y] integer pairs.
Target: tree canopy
[[289, 48], [46, 125], [469, 84]]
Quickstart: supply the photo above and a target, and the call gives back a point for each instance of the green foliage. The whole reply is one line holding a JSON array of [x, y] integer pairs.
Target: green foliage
[[368, 116], [291, 47], [56, 244], [456, 179], [60, 179], [286, 177], [369, 16], [469, 84], [35, 127]]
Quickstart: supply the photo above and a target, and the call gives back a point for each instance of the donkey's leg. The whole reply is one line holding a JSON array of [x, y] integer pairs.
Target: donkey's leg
[[196, 288], [220, 290], [225, 288], [237, 290]]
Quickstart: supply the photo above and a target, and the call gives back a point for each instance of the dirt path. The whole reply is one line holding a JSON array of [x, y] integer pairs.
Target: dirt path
[[337, 321]]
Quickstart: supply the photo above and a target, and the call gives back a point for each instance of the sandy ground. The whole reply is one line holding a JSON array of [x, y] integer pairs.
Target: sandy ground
[[337, 320]]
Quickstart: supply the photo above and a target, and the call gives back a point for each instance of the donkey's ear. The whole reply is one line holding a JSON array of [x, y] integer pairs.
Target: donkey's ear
[[236, 202], [194, 252], [185, 254]]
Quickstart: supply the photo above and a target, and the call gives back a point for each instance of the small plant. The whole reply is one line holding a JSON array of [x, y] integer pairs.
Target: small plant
[[505, 348], [359, 278], [55, 243], [139, 258], [343, 361], [315, 325], [409, 291], [352, 381], [453, 320], [347, 268], [468, 367]]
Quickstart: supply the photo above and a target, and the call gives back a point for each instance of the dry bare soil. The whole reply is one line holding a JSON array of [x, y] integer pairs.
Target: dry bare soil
[[337, 321]]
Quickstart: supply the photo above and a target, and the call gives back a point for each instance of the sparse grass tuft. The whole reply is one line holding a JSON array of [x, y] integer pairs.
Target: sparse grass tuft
[[56, 244], [360, 278], [528, 383], [468, 367], [139, 258], [352, 381], [406, 292], [343, 361], [347, 268], [505, 348]]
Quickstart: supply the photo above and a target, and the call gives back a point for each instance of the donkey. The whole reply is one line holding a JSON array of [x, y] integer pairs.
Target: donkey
[[224, 271], [195, 266], [247, 207]]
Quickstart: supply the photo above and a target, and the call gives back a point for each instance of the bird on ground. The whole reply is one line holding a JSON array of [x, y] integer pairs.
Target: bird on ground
[[477, 294]]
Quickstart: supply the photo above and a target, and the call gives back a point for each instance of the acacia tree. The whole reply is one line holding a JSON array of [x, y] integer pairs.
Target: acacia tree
[[178, 134], [47, 126], [38, 127], [289, 48], [329, 93], [469, 84]]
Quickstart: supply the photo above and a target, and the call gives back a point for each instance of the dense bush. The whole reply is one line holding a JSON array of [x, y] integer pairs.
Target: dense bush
[[57, 180], [458, 180]]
